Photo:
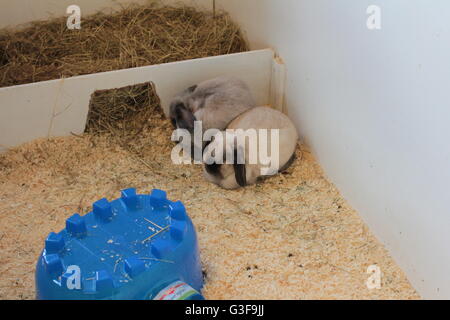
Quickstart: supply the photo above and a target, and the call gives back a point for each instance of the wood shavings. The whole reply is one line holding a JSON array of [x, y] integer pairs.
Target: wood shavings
[[305, 239]]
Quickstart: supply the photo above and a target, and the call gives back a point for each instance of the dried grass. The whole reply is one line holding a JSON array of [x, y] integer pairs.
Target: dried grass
[[132, 37], [123, 112]]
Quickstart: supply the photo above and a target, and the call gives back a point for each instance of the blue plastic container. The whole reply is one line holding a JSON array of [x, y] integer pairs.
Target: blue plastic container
[[137, 247]]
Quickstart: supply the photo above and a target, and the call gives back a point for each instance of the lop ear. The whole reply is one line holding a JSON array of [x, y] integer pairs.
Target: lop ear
[[240, 171], [183, 117]]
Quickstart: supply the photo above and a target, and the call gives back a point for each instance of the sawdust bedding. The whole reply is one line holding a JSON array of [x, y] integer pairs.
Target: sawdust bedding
[[292, 237]]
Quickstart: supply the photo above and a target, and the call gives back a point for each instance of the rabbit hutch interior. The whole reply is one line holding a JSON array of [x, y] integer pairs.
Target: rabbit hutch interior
[[91, 94]]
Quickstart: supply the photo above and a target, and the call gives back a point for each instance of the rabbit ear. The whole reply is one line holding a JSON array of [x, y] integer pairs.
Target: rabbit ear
[[183, 117], [192, 89], [240, 171], [288, 164]]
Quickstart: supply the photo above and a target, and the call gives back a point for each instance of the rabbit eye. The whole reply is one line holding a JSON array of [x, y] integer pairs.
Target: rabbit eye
[[179, 108], [183, 117]]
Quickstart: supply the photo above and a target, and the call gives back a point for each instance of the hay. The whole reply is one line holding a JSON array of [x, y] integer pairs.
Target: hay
[[132, 37], [123, 112], [129, 117]]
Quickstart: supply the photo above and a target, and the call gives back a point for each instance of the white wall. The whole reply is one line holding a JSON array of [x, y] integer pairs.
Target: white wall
[[375, 107], [60, 107]]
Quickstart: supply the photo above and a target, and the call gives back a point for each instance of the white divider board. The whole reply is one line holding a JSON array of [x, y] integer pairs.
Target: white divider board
[[60, 107]]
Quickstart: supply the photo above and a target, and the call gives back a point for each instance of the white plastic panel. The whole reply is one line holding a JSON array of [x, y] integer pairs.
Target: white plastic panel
[[60, 107]]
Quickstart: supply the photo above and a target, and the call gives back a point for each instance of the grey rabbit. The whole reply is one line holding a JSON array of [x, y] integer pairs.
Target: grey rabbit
[[240, 174], [215, 102]]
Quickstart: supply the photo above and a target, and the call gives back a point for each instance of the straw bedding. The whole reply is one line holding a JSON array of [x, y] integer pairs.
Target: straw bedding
[[293, 237]]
